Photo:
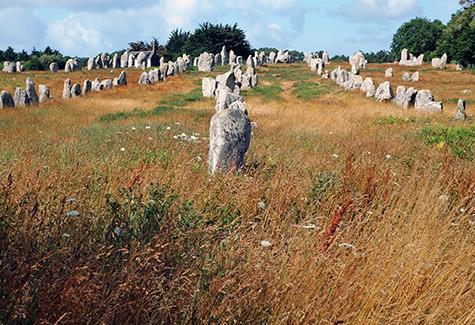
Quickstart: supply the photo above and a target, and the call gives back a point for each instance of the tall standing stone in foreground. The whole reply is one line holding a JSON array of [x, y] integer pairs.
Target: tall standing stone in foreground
[[384, 92], [44, 92], [21, 98], [67, 89], [30, 91], [230, 136], [6, 100], [424, 102], [53, 67], [460, 113]]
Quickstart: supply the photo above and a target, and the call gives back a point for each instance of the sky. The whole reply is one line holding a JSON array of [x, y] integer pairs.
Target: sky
[[88, 27]]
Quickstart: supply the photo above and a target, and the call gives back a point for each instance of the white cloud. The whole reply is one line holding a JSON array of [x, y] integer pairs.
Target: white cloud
[[20, 29]]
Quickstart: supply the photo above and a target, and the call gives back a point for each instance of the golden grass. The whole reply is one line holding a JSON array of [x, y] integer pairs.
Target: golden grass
[[401, 251]]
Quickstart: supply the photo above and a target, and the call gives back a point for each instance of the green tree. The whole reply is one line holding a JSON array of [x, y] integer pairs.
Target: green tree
[[211, 38], [458, 40], [467, 3], [419, 36], [176, 43]]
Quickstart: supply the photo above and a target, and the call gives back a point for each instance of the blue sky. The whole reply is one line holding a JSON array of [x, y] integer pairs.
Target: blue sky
[[88, 27]]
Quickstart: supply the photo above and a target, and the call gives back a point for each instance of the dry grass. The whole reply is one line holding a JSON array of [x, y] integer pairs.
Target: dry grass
[[158, 241]]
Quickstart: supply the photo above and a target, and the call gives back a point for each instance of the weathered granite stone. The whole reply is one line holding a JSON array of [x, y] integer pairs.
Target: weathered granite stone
[[415, 76], [67, 89], [6, 100], [388, 73], [86, 87], [53, 67], [224, 98], [45, 93], [230, 136], [124, 59], [224, 56], [208, 87], [405, 97], [144, 79], [424, 102], [30, 91], [406, 76], [107, 84], [368, 87], [76, 90], [460, 113], [20, 98], [97, 85], [9, 67], [384, 92]]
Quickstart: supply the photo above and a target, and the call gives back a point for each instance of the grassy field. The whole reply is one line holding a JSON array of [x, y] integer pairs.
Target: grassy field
[[347, 211]]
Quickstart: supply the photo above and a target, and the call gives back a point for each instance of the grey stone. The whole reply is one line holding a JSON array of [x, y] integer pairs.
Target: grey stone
[[224, 56], [388, 73], [424, 102], [6, 100], [141, 60], [368, 87], [91, 64], [205, 62], [124, 59], [45, 93], [404, 97], [97, 85], [353, 83], [460, 113], [459, 67], [107, 84], [326, 57], [355, 69], [224, 98], [208, 87], [9, 67], [440, 63], [53, 67], [30, 91], [144, 79], [67, 89], [19, 67], [384, 92], [230, 136], [357, 59], [131, 59], [415, 76], [406, 76], [20, 98], [86, 87], [232, 57], [122, 79], [76, 90], [115, 61]]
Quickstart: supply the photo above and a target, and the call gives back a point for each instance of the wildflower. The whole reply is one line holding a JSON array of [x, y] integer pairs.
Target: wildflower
[[147, 127], [118, 231], [133, 128], [309, 226], [70, 200], [265, 243], [72, 213], [388, 156], [150, 138], [335, 155], [122, 149], [168, 128], [66, 235]]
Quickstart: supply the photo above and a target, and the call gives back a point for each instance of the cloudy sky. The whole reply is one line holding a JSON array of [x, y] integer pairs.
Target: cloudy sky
[[88, 27]]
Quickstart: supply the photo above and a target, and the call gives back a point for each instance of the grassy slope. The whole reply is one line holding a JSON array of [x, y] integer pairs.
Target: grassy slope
[[371, 220]]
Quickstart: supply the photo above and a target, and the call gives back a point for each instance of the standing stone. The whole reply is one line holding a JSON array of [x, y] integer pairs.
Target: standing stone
[[164, 66], [239, 59], [404, 97], [384, 92], [9, 67], [217, 59], [86, 87], [224, 98], [98, 62], [205, 62], [44, 92], [388, 73], [460, 114], [144, 79], [353, 83], [122, 80], [195, 62], [368, 87], [67, 89], [232, 57], [105, 61], [208, 87], [171, 68], [6, 100], [30, 91], [424, 102], [355, 69], [76, 90], [53, 67], [19, 67], [107, 84], [459, 67], [154, 75], [131, 62], [250, 61], [230, 136], [406, 76], [326, 57], [97, 85], [90, 64], [415, 76], [404, 56], [272, 57], [21, 98], [262, 58], [224, 56], [141, 61], [115, 61], [357, 59], [124, 59], [440, 63], [181, 65]]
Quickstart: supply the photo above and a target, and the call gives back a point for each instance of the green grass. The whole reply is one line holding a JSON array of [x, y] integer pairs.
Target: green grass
[[159, 110], [390, 120], [289, 73], [309, 90], [460, 140], [266, 93], [184, 99]]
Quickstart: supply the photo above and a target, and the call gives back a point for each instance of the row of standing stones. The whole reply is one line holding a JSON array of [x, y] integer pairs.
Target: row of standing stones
[[25, 97], [71, 90], [421, 100]]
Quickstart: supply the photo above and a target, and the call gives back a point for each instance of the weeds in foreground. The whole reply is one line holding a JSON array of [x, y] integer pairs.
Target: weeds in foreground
[[460, 140]]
